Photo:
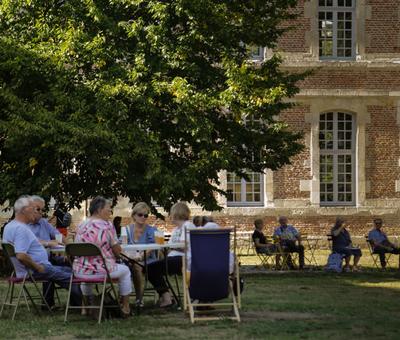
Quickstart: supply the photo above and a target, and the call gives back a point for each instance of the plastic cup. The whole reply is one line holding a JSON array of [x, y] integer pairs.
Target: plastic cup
[[59, 238]]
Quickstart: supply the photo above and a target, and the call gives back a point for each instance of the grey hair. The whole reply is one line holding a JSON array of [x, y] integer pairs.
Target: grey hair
[[97, 204], [22, 202], [38, 199]]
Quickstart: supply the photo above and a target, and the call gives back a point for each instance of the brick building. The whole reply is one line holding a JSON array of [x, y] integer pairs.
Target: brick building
[[349, 111]]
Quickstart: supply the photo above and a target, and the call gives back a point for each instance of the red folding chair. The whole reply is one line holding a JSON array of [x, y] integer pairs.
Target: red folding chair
[[23, 283], [88, 250]]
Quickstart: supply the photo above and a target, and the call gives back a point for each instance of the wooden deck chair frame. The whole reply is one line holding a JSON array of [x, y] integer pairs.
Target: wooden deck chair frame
[[375, 256], [85, 250], [27, 279], [189, 306]]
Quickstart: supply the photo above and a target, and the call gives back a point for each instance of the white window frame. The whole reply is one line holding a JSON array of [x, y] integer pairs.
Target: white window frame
[[335, 9], [243, 193], [335, 152], [258, 57]]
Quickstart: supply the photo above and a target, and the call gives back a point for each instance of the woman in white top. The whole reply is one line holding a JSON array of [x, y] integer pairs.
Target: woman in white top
[[180, 214]]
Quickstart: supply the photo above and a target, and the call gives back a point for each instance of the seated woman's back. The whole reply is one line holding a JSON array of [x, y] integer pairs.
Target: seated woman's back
[[102, 234]]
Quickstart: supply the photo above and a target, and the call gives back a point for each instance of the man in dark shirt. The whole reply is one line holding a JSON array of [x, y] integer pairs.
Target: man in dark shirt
[[342, 244]]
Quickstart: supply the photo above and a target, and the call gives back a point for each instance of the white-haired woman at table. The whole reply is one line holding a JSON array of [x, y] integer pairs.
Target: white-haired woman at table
[[180, 215], [100, 231]]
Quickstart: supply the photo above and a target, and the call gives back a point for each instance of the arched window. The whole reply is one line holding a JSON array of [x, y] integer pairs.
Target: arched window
[[336, 160]]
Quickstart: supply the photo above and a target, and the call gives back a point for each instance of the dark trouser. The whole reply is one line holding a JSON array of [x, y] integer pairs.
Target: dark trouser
[[48, 287], [157, 270], [291, 247], [60, 276], [382, 251]]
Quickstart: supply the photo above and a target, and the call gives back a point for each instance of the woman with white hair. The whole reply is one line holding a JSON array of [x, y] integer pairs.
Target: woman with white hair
[[100, 231]]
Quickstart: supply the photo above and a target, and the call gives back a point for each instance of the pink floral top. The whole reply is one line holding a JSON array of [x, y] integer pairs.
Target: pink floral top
[[101, 233]]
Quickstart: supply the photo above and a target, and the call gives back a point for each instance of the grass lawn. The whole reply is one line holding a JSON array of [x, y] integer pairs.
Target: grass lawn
[[295, 305]]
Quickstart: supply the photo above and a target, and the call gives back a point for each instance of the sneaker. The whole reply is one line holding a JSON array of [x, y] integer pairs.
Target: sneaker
[[139, 303], [347, 269]]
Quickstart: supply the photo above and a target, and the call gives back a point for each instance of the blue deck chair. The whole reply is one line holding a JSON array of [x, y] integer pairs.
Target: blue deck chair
[[209, 274]]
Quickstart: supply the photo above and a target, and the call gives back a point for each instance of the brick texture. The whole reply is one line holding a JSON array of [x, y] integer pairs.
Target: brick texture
[[357, 78], [294, 40], [383, 29], [287, 179], [382, 152]]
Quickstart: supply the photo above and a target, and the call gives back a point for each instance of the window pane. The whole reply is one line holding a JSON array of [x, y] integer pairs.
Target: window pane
[[336, 187]]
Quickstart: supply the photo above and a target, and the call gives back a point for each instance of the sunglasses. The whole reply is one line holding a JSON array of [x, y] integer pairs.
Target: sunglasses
[[142, 215]]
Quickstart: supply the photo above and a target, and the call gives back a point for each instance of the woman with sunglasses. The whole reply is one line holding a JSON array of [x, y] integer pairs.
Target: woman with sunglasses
[[140, 232]]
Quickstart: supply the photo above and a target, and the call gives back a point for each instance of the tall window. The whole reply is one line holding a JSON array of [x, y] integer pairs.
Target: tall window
[[336, 143], [336, 28], [245, 193]]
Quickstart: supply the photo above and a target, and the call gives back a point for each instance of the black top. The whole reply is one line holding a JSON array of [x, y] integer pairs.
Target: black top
[[59, 214], [342, 240], [261, 237]]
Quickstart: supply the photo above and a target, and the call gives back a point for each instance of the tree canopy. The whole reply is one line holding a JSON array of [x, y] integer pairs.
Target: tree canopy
[[148, 99]]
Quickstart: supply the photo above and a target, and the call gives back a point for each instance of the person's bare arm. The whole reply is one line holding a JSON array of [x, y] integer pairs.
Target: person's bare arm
[[28, 262], [116, 248], [52, 243]]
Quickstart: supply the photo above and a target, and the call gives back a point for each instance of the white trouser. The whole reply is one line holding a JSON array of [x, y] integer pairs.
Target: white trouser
[[122, 273]]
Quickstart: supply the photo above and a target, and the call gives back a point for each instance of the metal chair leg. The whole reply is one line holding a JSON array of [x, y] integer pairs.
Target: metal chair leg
[[6, 298], [68, 299]]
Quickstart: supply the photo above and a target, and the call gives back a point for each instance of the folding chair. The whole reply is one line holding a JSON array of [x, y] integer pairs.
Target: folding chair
[[209, 279], [375, 256], [269, 260], [23, 282], [88, 250]]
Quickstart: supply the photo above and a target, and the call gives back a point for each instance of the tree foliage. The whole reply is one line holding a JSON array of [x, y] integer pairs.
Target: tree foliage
[[148, 99]]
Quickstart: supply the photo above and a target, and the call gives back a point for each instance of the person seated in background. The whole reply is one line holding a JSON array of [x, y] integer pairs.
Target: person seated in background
[[180, 215], [42, 229], [342, 244], [140, 232], [117, 225], [380, 243], [259, 239], [46, 235], [99, 230], [198, 221], [287, 235], [30, 254], [201, 221]]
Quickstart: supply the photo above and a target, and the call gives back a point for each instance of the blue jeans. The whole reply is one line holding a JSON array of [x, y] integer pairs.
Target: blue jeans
[[60, 276]]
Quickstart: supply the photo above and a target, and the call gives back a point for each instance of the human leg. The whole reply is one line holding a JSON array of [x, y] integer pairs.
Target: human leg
[[123, 274], [138, 282], [61, 276], [381, 251]]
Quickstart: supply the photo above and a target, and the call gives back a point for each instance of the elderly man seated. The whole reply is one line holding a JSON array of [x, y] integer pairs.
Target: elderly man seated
[[30, 254], [287, 236], [380, 243], [42, 229]]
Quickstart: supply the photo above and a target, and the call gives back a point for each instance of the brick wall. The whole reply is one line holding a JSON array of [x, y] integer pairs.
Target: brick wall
[[383, 28], [287, 179], [357, 78], [382, 152], [295, 39]]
